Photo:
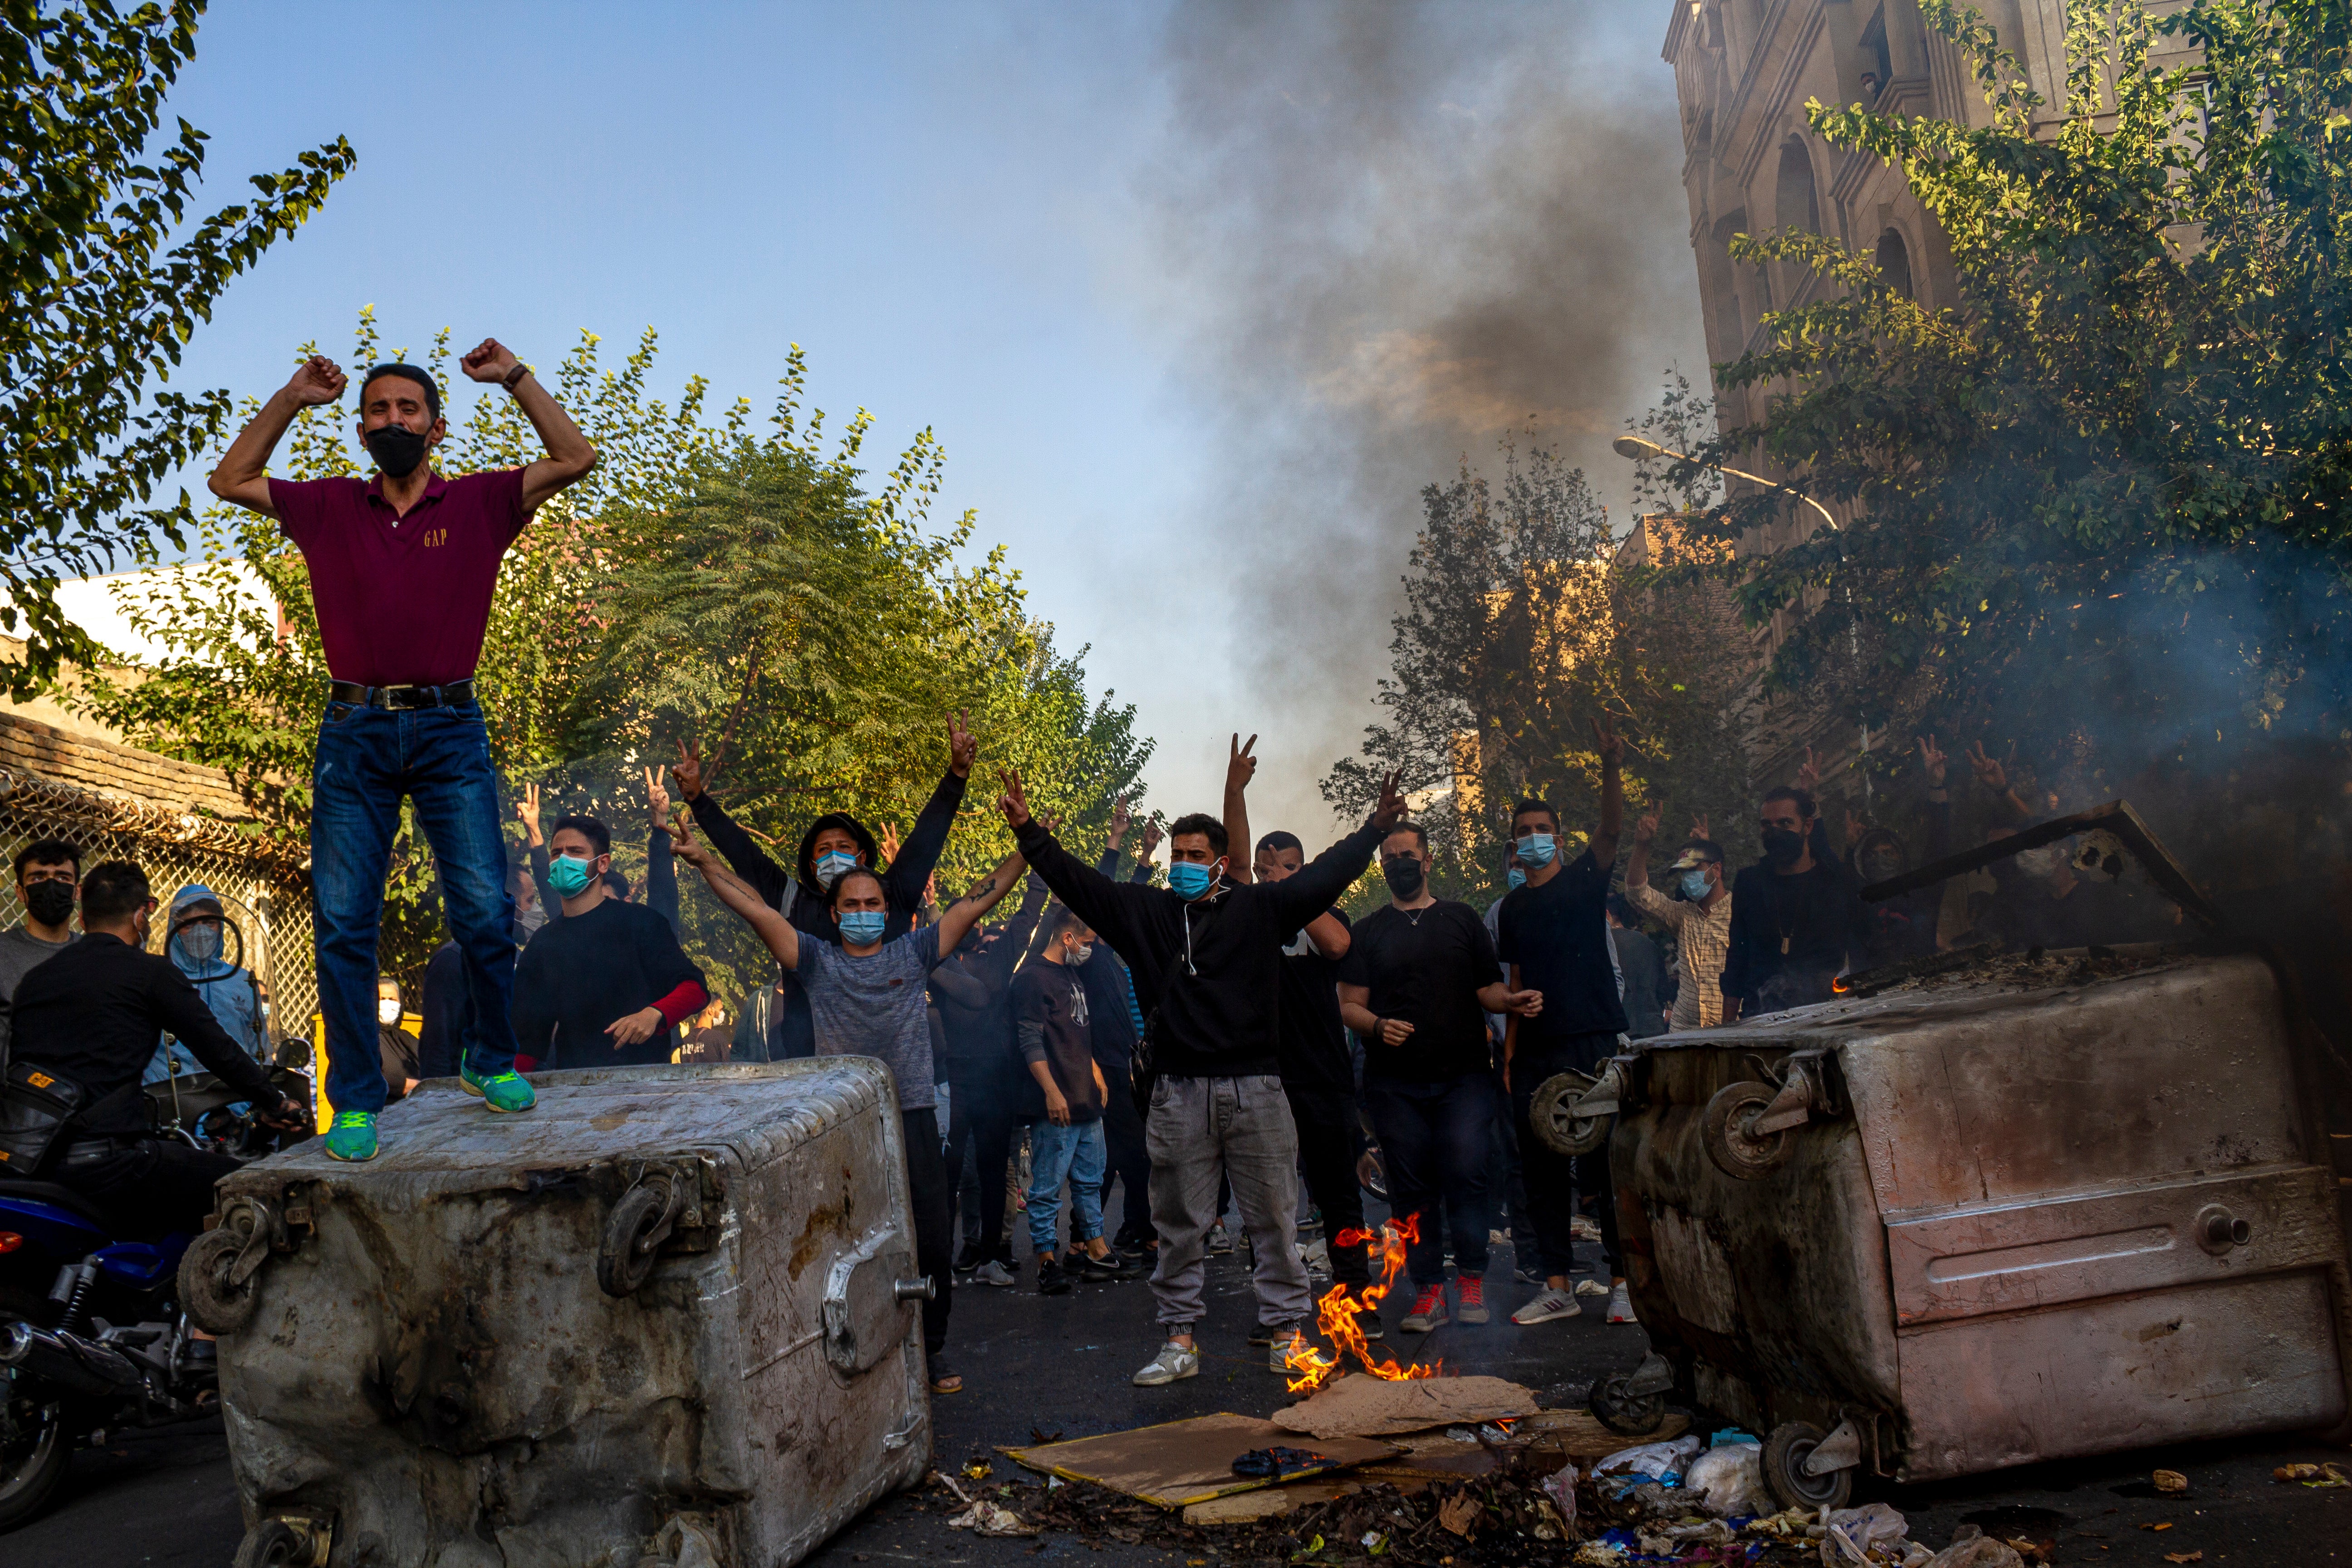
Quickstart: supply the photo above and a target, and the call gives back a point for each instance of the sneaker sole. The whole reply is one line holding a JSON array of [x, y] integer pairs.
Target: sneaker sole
[[1546, 1318], [1192, 1371], [1410, 1327], [1473, 1315], [353, 1159], [491, 1105]]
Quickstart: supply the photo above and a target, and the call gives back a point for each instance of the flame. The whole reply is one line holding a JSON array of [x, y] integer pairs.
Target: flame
[[1337, 1313], [1838, 986]]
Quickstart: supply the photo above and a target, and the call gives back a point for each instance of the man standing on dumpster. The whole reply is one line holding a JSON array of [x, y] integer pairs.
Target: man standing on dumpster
[[401, 569], [1206, 954]]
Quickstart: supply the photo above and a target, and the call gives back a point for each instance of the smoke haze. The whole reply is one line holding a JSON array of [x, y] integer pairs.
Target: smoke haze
[[1392, 235]]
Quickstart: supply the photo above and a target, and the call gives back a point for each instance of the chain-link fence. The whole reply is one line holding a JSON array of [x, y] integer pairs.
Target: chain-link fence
[[266, 895]]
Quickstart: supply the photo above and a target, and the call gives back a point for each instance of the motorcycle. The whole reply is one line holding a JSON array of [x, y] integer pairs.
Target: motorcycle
[[93, 1337]]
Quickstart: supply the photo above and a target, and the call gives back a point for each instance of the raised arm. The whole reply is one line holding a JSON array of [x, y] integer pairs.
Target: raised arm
[[693, 775], [243, 475], [570, 455], [1317, 886], [1241, 865], [910, 869], [774, 928], [965, 912], [1103, 904]]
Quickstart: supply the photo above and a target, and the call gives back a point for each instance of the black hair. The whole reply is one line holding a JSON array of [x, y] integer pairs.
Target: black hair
[[1198, 822], [1709, 850], [1804, 799], [423, 378], [833, 894], [588, 828], [1278, 841], [1622, 907], [46, 852], [867, 850], [1059, 918], [1535, 803], [1873, 839], [1415, 828], [112, 889], [617, 885]]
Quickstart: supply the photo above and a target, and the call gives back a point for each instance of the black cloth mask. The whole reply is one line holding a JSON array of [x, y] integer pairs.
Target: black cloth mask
[[396, 449], [1404, 875], [1782, 846], [51, 903]]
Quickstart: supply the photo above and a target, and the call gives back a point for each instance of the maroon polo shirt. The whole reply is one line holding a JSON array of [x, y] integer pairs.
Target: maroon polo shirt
[[401, 601]]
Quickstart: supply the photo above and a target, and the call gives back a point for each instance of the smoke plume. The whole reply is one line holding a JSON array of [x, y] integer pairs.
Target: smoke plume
[[1396, 235]]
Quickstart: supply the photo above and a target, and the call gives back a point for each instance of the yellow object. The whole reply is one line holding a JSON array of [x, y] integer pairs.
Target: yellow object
[[412, 1022]]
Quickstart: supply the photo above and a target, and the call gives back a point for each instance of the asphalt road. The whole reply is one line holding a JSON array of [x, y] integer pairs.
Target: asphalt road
[[1060, 1365]]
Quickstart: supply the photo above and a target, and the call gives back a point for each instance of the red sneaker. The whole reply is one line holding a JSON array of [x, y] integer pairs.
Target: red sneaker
[[1428, 1311], [1470, 1299]]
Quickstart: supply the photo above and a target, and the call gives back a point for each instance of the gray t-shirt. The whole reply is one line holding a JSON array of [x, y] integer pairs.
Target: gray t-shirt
[[20, 950], [876, 1006]]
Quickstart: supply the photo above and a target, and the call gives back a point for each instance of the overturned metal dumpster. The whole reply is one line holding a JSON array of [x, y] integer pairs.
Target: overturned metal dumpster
[[670, 1311], [2040, 1204]]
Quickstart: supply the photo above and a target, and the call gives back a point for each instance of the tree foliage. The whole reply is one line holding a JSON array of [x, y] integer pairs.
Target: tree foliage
[[704, 582], [2099, 506], [107, 277], [1519, 630]]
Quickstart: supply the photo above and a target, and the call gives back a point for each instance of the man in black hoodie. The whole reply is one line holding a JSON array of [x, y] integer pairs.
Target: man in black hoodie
[[1206, 958]]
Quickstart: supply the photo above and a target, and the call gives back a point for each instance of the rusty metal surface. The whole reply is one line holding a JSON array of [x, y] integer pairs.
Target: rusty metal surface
[[2060, 1208], [435, 1362], [2117, 817]]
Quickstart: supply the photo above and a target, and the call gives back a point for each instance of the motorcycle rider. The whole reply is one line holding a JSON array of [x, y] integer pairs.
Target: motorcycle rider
[[194, 942], [90, 1016]]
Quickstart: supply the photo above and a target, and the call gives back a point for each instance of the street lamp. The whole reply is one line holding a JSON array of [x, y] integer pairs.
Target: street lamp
[[1638, 447]]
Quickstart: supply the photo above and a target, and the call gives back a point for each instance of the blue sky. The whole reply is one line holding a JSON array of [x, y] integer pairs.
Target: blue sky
[[1195, 296]]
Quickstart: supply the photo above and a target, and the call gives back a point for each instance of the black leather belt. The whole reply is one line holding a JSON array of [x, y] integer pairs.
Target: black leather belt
[[402, 698]]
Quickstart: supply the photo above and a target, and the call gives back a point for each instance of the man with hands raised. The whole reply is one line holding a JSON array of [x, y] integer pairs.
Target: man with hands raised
[[401, 569], [1206, 953]]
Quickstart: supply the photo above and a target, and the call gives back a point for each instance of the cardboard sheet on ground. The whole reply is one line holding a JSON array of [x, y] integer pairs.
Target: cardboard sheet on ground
[[1584, 1440], [1360, 1406], [1184, 1462]]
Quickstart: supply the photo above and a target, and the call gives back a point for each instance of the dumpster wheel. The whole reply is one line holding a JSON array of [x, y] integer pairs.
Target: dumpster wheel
[[281, 1543], [1551, 1113], [1626, 1414], [1724, 1129], [1788, 1448]]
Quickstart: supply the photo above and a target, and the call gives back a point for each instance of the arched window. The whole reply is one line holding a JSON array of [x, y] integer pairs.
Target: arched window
[[1895, 263], [1794, 206]]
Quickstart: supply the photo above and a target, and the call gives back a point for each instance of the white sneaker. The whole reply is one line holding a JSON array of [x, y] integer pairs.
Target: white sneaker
[[1547, 1305], [1288, 1350], [1621, 1306], [992, 1272], [1172, 1364], [1591, 1287]]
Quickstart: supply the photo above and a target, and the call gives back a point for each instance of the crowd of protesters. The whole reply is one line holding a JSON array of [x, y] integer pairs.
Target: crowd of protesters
[[1221, 1048]]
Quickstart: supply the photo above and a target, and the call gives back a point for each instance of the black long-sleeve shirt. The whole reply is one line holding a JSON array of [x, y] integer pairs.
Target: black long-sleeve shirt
[[90, 1015], [661, 888], [971, 987], [576, 979], [1209, 969], [903, 881], [1789, 934]]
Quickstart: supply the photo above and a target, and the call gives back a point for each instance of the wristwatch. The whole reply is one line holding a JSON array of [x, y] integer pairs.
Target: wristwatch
[[513, 378]]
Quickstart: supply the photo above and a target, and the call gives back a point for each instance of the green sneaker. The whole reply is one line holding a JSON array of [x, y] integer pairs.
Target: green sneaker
[[509, 1090], [353, 1137]]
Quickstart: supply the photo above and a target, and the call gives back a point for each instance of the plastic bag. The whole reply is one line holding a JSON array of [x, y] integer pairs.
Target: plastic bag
[[1561, 1487], [1972, 1548], [1667, 1461], [1732, 1476], [1856, 1532]]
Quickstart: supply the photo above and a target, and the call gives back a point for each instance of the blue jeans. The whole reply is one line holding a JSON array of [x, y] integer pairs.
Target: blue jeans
[[1074, 1154], [1433, 1142], [439, 758]]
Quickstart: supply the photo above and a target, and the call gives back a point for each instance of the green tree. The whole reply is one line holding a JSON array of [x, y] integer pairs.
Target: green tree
[[2100, 507], [1518, 631], [701, 581], [106, 279]]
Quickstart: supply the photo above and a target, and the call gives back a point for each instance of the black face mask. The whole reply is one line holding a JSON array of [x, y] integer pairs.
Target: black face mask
[[51, 903], [396, 449], [1782, 846], [1404, 874]]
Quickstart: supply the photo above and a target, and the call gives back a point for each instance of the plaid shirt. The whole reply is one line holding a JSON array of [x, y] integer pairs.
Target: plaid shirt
[[1702, 939]]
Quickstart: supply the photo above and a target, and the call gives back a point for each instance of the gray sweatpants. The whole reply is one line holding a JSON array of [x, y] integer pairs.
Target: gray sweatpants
[[1200, 1128]]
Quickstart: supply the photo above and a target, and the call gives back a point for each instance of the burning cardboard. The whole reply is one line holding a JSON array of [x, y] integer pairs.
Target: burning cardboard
[[1310, 1365], [1179, 1463], [1363, 1406]]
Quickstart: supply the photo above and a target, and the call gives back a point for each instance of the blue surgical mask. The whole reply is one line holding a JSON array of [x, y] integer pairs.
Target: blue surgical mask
[[1191, 879], [862, 928], [1536, 850], [833, 865], [569, 875], [1516, 878], [1695, 883]]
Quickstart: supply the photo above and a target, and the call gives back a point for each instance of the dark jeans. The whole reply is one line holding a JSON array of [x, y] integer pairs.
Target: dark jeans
[[1553, 1179], [439, 758], [1329, 1137], [1130, 1163], [1434, 1139], [980, 1121], [150, 1189], [1506, 1193], [928, 1189]]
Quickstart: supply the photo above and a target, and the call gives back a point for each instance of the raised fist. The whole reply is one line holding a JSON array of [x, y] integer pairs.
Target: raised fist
[[490, 361], [316, 382]]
